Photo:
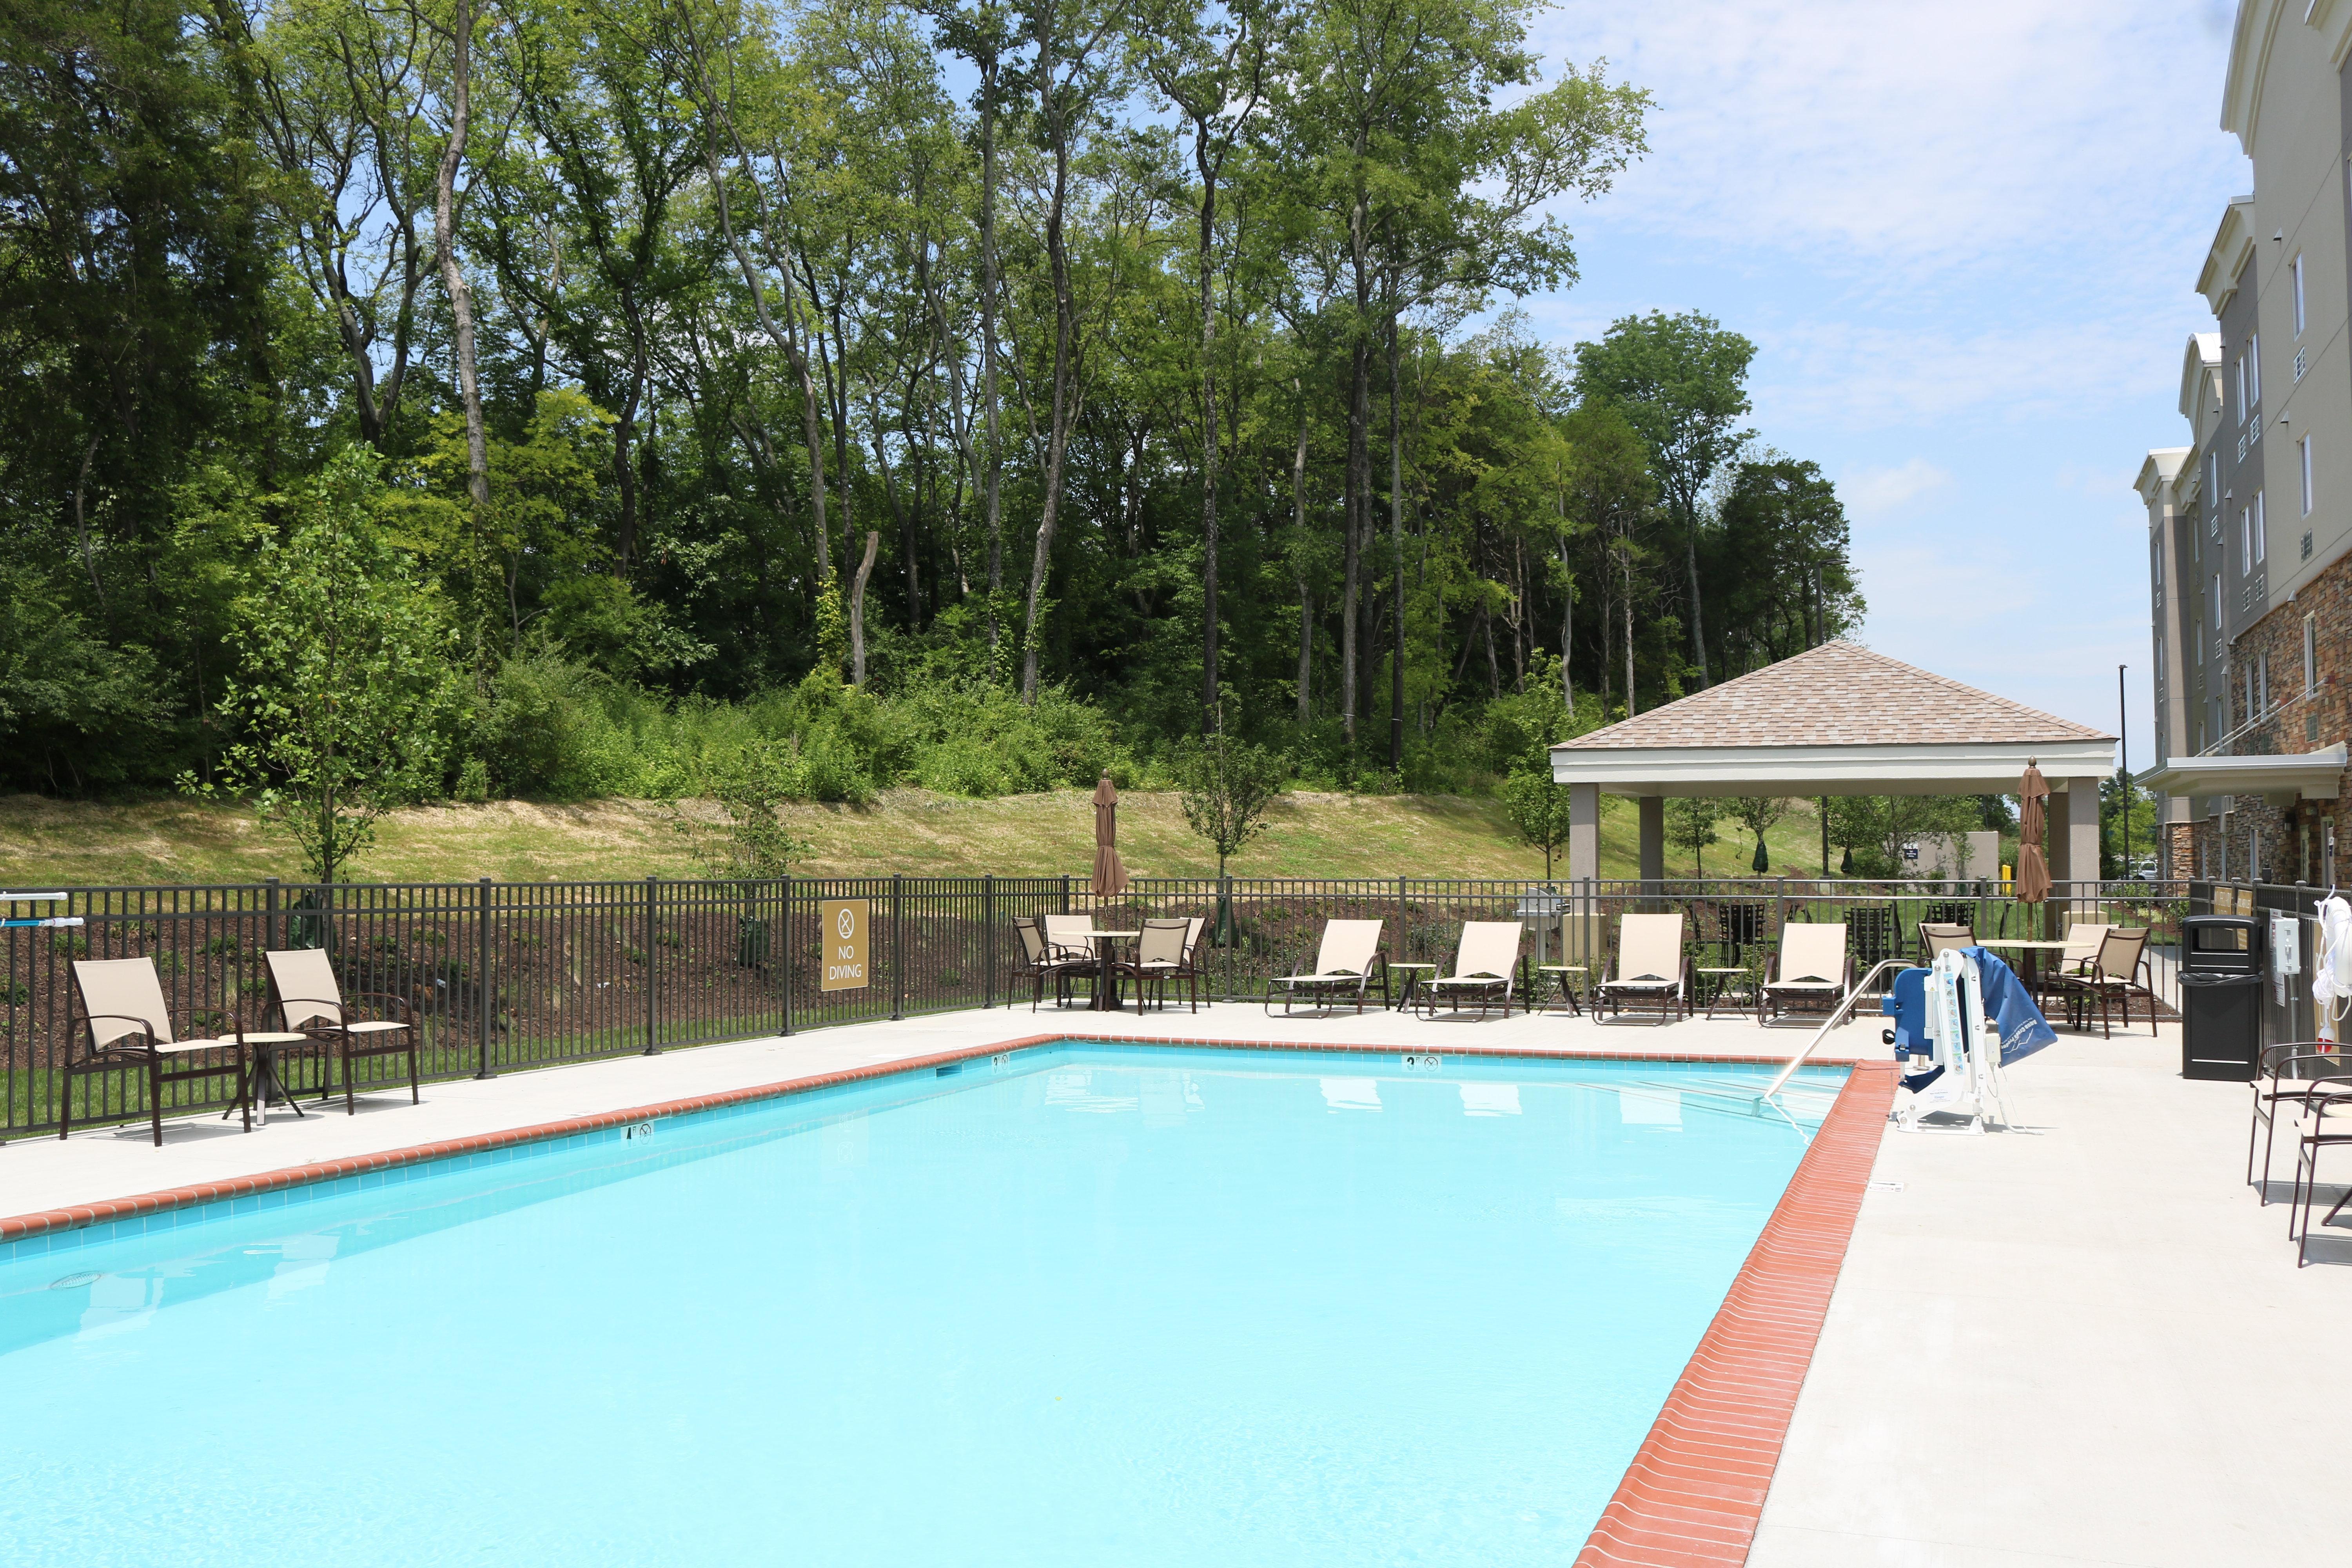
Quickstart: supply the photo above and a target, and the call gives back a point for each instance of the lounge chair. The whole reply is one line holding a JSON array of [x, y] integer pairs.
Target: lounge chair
[[1486, 966], [2290, 1074], [1813, 966], [311, 1001], [2113, 977], [1164, 953], [1940, 936], [1041, 961], [1344, 962], [129, 1026], [1650, 966]]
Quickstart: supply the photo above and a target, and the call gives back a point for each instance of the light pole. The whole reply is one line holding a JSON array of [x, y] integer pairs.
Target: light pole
[[2123, 763]]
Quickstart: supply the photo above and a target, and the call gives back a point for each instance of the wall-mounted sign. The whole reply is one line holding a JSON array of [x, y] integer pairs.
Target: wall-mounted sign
[[842, 933]]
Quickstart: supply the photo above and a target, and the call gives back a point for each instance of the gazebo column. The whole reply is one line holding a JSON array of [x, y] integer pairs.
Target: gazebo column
[[1653, 837], [1584, 830], [2074, 851]]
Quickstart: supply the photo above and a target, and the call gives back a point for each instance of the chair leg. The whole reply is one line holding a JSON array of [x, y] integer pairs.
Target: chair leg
[[155, 1097], [65, 1105], [416, 1091], [350, 1103]]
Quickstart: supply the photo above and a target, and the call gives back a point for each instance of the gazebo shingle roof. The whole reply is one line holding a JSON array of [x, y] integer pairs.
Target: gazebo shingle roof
[[1839, 694]]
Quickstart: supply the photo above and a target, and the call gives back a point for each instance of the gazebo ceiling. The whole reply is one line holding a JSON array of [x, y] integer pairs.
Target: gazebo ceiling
[[1836, 719]]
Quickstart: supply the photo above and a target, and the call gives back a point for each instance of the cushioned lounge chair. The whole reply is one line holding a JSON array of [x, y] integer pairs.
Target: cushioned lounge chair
[[310, 1001], [1344, 962], [1486, 969], [1651, 966], [1813, 967], [126, 1024]]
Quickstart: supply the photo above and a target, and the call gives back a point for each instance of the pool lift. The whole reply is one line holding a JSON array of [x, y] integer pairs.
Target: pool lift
[[1948, 1053]]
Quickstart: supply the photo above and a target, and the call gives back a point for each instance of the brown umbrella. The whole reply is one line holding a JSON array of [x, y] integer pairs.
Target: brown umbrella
[[1110, 876], [2032, 822]]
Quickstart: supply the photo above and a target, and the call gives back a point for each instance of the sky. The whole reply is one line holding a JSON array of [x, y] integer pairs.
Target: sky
[[1965, 240]]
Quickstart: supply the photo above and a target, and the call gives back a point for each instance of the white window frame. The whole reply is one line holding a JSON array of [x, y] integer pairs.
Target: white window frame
[[2261, 678], [2246, 539], [2253, 370], [2295, 268], [2310, 654], [2303, 456], [2261, 530], [2239, 370], [2159, 661]]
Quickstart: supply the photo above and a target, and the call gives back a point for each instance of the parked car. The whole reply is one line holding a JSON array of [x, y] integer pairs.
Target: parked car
[[2144, 870]]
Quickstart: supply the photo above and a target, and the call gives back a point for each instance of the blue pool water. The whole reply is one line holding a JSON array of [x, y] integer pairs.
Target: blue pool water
[[1090, 1305]]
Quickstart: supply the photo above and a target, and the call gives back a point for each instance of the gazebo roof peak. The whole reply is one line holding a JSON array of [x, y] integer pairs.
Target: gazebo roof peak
[[1839, 694]]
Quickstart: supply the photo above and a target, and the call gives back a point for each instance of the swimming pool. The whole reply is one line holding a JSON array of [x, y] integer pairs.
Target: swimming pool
[[1082, 1304]]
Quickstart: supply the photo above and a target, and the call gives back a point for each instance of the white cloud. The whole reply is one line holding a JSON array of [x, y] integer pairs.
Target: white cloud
[[1870, 494]]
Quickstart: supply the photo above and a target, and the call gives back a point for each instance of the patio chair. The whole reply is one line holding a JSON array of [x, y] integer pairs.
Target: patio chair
[[310, 1001], [2321, 1121], [1486, 965], [2083, 940], [1942, 936], [2113, 977], [1812, 965], [130, 1027], [1344, 962], [1162, 953], [1039, 961], [2295, 1072], [1650, 966]]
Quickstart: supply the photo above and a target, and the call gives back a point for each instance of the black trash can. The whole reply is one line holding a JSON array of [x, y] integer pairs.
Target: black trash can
[[2220, 997]]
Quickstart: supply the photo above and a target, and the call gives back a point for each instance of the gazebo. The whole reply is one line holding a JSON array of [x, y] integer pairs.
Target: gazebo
[[1835, 719]]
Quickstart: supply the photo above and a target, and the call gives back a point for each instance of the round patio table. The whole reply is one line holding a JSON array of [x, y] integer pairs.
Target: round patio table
[[1567, 991], [264, 1084], [1412, 982], [1107, 983]]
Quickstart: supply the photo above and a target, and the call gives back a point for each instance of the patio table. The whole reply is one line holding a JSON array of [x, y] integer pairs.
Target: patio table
[[1412, 982], [2032, 952], [1567, 991], [263, 1083], [1107, 983], [1735, 982]]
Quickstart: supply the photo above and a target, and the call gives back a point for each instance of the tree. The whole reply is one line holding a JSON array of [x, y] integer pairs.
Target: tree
[[751, 843], [1878, 826], [1690, 825], [1539, 808], [344, 699], [1757, 814], [1226, 785], [1681, 380]]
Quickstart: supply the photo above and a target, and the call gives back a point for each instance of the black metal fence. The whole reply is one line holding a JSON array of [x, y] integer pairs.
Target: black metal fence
[[501, 976], [2288, 1013]]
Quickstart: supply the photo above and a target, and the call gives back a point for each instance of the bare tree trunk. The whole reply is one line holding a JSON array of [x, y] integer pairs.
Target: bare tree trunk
[[1698, 628], [857, 611], [1396, 546], [1210, 715], [1567, 630], [1306, 593], [444, 241], [990, 506], [82, 528], [1056, 115], [1629, 643]]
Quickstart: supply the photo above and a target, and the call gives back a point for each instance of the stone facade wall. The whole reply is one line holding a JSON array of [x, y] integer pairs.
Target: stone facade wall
[[2295, 723]]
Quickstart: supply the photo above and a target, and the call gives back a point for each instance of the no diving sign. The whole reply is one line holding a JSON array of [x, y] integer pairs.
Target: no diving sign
[[842, 923]]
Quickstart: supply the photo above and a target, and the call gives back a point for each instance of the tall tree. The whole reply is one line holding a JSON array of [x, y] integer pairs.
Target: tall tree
[[1681, 380]]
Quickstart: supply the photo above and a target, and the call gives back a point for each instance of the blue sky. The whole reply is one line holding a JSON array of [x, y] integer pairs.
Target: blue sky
[[1965, 240]]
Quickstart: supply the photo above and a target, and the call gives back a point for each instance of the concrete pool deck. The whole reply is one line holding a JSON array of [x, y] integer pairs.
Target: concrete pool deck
[[2082, 1342]]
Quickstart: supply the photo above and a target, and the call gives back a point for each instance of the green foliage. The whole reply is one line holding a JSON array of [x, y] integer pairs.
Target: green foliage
[[344, 701], [1757, 814], [1690, 826], [1225, 786], [1539, 808], [752, 841], [1873, 828]]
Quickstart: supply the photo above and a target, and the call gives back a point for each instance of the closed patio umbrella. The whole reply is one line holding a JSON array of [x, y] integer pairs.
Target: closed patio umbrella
[[1110, 876], [2032, 822]]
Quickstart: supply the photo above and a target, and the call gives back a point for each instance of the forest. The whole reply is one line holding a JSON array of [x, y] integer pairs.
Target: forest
[[484, 398]]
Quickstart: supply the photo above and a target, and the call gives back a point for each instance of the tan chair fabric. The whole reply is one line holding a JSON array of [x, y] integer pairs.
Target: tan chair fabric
[[1938, 939], [308, 992], [1488, 952], [1066, 936], [121, 998], [2083, 939], [1649, 952], [1812, 957], [1346, 951], [1162, 944]]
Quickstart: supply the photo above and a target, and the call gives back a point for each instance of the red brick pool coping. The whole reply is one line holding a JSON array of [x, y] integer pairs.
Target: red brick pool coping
[[1695, 1491]]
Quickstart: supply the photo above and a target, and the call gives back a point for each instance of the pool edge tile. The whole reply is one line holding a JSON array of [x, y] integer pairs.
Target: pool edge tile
[[1684, 1502]]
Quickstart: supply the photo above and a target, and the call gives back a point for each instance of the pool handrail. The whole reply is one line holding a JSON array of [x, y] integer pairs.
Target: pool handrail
[[1838, 1014]]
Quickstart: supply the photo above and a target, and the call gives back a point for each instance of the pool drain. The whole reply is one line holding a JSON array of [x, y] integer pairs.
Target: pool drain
[[75, 1281]]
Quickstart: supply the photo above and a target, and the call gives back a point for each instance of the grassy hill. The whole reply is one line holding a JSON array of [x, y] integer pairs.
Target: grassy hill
[[81, 843]]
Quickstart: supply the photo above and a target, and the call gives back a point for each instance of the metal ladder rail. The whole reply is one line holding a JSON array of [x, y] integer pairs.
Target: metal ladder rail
[[1837, 1016]]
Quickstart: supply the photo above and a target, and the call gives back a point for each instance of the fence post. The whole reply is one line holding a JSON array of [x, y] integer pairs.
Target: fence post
[[270, 937], [1403, 955], [1233, 927], [1065, 895], [482, 992], [791, 954], [897, 946], [988, 941], [652, 964]]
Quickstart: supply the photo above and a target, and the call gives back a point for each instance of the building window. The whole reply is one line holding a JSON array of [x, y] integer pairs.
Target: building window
[[2254, 369], [2310, 655], [2216, 616], [2295, 270], [2245, 541], [2159, 661], [2239, 370], [2303, 461], [2156, 567], [2261, 705], [2259, 530]]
